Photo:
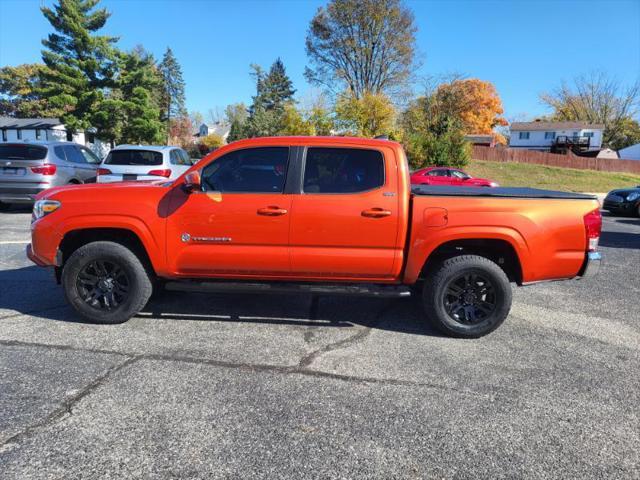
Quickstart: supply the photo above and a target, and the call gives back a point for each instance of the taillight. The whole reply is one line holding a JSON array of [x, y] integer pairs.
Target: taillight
[[161, 173], [45, 169], [592, 228], [103, 171]]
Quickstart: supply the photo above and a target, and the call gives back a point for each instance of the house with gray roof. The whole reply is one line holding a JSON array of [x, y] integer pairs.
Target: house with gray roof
[[219, 128], [15, 129]]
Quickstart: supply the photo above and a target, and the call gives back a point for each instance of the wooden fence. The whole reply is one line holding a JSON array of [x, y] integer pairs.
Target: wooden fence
[[501, 154]]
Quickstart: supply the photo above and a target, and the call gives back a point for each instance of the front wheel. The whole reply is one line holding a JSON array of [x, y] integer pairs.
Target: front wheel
[[467, 296], [105, 282], [4, 206]]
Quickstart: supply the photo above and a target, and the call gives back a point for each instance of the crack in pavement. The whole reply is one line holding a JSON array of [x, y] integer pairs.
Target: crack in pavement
[[354, 339], [66, 408]]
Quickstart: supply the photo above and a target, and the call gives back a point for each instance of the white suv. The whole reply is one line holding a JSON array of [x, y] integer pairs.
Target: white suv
[[143, 162]]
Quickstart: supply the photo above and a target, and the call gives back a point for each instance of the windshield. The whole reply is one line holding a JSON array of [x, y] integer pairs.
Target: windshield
[[133, 157], [22, 152]]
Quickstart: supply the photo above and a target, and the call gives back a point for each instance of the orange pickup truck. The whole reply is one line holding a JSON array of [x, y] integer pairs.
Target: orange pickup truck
[[312, 215]]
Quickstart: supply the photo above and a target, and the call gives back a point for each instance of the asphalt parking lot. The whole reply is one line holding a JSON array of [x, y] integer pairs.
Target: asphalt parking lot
[[239, 386]]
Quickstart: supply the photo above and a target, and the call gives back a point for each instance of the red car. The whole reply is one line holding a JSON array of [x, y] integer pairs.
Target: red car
[[448, 176]]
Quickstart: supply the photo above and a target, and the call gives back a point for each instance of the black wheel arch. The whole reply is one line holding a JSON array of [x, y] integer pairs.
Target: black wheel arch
[[498, 251], [75, 239]]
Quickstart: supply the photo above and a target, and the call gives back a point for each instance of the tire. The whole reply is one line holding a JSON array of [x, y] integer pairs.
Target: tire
[[4, 206], [123, 291], [467, 296]]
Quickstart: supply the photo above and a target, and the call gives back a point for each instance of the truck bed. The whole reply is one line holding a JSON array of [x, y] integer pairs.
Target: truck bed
[[508, 192]]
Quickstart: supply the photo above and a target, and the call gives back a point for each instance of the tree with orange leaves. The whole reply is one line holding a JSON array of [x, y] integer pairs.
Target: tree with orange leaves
[[474, 103]]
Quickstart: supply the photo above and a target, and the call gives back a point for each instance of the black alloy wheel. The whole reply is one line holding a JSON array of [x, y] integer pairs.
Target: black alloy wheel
[[103, 284], [470, 298]]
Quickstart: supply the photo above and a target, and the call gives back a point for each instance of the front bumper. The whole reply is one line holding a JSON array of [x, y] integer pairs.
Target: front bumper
[[618, 207], [20, 195], [591, 266]]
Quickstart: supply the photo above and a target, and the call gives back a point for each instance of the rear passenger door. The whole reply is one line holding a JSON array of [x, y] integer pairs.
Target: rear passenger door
[[344, 224], [82, 169]]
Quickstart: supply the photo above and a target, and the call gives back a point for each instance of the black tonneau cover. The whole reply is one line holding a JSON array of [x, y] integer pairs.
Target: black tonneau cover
[[509, 192]]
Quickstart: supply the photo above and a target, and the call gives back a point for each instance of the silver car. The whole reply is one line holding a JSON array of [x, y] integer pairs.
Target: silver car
[[143, 162], [27, 168]]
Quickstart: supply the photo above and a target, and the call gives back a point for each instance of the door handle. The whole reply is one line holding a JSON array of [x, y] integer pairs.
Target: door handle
[[272, 211], [376, 213]]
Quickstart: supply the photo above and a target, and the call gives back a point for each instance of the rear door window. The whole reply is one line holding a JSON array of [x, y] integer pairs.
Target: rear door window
[[177, 158], [251, 170], [438, 173], [89, 156], [22, 152], [134, 157], [73, 154], [343, 170]]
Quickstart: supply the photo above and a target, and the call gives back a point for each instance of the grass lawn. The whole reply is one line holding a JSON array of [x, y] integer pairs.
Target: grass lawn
[[541, 176]]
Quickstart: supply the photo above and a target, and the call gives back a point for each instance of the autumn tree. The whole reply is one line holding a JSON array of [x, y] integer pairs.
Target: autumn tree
[[20, 92], [79, 62], [597, 98], [236, 112], [361, 46], [368, 116], [294, 123], [475, 103], [181, 131]]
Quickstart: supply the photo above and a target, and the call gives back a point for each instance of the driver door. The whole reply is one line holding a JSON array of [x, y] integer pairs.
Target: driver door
[[238, 225]]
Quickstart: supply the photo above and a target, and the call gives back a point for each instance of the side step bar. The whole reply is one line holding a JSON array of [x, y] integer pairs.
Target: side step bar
[[359, 289]]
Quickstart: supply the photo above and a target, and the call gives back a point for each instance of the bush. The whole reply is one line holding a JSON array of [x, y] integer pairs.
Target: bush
[[210, 143], [449, 149]]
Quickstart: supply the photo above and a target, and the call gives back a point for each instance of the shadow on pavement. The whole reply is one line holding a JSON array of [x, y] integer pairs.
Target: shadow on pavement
[[32, 291], [620, 240], [19, 208]]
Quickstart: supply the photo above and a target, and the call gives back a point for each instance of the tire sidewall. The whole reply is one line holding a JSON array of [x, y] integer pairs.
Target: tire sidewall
[[135, 274], [448, 273]]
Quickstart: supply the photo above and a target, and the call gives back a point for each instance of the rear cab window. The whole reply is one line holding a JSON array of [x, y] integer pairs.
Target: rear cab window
[[22, 152], [134, 157], [343, 170]]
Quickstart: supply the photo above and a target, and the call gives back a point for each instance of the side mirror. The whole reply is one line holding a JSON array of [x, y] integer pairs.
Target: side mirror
[[192, 182]]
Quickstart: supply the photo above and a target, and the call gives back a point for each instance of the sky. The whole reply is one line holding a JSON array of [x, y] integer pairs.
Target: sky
[[523, 47]]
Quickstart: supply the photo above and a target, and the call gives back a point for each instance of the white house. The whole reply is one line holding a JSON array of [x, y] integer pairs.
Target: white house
[[47, 129], [219, 128], [44, 129], [556, 136], [630, 153]]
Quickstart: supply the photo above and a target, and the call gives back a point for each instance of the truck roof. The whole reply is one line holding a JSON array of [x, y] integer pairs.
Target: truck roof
[[315, 140]]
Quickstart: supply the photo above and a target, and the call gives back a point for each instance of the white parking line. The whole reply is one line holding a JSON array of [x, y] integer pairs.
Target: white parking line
[[14, 242]]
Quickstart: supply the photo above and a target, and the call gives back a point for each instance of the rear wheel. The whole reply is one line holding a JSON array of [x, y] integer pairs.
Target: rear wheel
[[467, 296], [4, 206], [105, 282]]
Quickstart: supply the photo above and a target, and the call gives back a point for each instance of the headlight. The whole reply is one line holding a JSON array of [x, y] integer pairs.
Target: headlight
[[44, 207], [632, 197], [494, 184]]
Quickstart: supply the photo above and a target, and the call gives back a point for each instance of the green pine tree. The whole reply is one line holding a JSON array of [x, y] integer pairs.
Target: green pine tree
[[274, 90], [278, 88], [173, 98], [130, 113], [79, 62]]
